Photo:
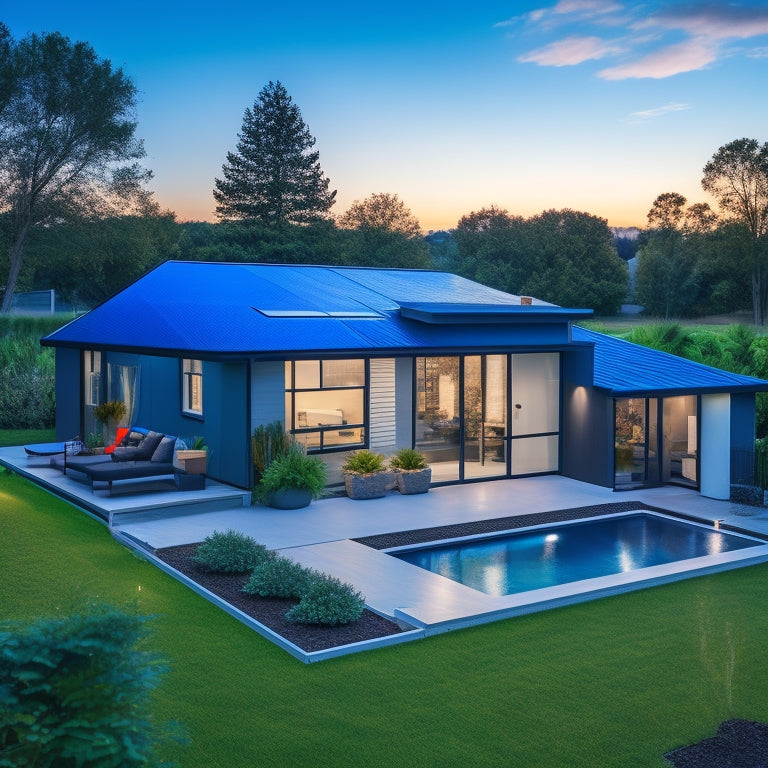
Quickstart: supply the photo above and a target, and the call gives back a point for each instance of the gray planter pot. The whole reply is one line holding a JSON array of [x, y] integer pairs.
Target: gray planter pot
[[367, 486], [290, 498], [413, 480]]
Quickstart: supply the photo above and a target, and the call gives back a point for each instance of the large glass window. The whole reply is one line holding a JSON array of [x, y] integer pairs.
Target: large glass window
[[192, 386], [680, 446], [325, 403], [438, 415]]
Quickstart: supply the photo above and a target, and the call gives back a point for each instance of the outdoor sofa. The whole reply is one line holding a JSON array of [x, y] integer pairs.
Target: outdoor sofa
[[141, 454]]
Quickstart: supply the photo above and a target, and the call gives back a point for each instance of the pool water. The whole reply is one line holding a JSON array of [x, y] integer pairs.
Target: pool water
[[554, 555]]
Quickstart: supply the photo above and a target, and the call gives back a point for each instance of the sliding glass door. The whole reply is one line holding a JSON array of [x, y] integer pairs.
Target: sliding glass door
[[464, 423], [656, 441], [485, 416]]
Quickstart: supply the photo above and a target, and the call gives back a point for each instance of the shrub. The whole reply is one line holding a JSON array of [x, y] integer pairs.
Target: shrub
[[279, 577], [267, 443], [364, 462], [328, 601], [27, 386], [407, 459], [230, 552], [76, 690]]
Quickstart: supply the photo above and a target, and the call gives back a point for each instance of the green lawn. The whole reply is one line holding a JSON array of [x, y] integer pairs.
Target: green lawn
[[616, 682]]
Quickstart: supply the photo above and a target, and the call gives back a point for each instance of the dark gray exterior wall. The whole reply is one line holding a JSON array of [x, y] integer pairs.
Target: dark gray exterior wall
[[68, 398], [743, 421], [587, 428]]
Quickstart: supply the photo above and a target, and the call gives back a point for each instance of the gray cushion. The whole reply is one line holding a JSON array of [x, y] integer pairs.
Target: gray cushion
[[132, 439], [148, 445], [164, 451], [125, 454]]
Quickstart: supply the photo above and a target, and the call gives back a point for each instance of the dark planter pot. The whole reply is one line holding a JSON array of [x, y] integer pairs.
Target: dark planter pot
[[413, 480], [290, 498], [367, 486]]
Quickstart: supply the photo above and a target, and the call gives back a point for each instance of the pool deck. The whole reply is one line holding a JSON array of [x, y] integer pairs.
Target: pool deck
[[321, 535]]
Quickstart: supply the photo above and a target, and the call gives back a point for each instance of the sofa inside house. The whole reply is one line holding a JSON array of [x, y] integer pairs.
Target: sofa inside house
[[141, 454]]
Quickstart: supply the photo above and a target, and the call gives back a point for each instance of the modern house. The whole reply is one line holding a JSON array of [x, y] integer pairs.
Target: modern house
[[486, 384]]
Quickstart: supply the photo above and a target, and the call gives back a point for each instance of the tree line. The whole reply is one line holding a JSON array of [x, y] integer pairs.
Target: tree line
[[76, 214], [694, 261]]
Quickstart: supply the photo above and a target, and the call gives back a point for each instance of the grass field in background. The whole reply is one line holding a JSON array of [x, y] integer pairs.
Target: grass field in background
[[612, 683], [26, 436]]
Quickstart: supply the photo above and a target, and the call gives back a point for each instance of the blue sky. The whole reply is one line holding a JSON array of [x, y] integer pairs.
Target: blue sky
[[594, 105]]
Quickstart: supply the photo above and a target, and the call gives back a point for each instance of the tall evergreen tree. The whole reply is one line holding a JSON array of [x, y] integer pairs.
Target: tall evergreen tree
[[274, 177]]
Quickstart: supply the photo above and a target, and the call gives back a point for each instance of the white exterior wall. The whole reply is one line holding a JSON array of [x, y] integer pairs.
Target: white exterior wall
[[382, 423], [716, 446]]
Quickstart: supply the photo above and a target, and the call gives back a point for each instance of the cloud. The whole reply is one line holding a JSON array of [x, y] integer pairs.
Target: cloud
[[570, 51], [672, 60], [584, 9], [652, 114], [715, 21], [648, 41]]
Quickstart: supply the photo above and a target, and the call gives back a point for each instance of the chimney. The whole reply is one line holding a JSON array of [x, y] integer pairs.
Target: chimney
[[526, 301]]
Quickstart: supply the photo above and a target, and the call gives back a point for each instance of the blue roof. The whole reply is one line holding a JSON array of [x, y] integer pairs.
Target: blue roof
[[216, 310], [624, 369], [267, 310]]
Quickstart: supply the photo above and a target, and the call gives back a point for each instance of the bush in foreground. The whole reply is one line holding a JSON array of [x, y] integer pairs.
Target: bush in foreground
[[230, 552], [75, 692]]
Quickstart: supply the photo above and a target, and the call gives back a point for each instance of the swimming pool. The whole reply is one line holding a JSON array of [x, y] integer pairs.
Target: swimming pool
[[517, 562]]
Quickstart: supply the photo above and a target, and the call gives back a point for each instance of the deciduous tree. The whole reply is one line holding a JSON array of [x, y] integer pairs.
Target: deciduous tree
[[67, 139], [384, 233], [666, 282], [274, 177], [737, 176]]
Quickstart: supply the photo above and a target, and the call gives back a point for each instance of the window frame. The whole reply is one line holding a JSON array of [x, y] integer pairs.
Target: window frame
[[190, 376], [291, 391]]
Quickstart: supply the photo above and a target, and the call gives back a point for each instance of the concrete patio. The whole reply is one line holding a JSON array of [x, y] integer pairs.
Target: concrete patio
[[321, 535]]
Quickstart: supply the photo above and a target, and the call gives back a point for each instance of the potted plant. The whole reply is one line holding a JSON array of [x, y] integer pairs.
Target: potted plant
[[366, 475], [291, 481], [109, 414], [94, 443], [412, 473]]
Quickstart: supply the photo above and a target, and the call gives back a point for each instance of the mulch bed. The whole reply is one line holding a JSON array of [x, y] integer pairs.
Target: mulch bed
[[271, 612], [738, 744]]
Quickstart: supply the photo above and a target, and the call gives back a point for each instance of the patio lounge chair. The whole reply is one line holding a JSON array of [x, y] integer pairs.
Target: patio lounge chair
[[152, 457]]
